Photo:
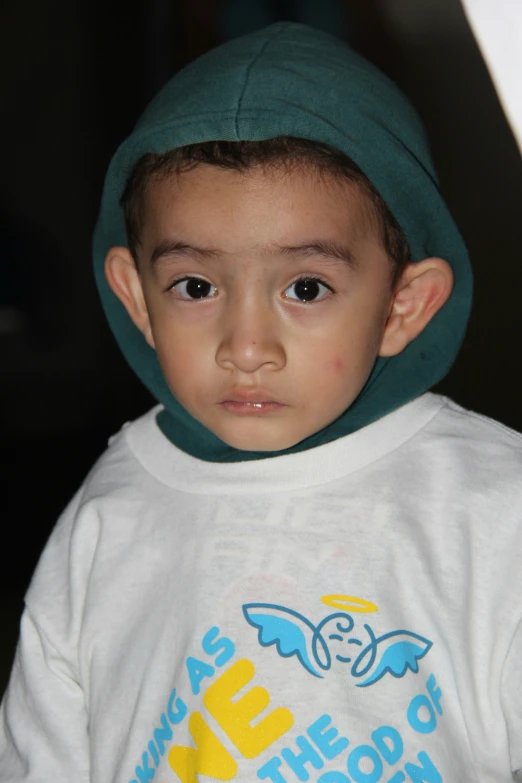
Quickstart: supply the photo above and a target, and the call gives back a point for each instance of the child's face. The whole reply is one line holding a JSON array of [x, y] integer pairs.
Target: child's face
[[266, 296]]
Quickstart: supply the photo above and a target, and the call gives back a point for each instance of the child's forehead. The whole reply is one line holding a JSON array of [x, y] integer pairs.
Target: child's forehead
[[300, 183], [288, 195]]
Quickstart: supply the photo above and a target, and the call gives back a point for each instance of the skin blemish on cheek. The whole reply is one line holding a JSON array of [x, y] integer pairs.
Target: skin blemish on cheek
[[338, 364]]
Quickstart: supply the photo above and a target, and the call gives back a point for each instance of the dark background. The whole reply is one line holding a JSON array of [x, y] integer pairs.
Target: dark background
[[75, 76]]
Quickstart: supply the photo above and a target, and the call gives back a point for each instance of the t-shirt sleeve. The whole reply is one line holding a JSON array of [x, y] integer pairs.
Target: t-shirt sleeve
[[43, 720], [43, 716], [511, 694]]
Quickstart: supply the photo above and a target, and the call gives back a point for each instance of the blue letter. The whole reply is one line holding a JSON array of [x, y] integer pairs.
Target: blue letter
[[397, 778], [421, 726], [269, 770], [361, 752], [154, 752], [325, 739], [176, 717], [307, 755], [390, 754], [418, 774], [212, 648], [435, 692], [197, 671], [145, 773], [333, 777], [162, 735]]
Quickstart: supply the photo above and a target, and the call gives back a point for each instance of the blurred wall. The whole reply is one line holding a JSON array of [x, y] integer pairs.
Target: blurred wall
[[73, 80]]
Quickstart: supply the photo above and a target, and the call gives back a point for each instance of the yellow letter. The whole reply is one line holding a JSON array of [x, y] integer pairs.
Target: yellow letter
[[209, 757], [235, 717]]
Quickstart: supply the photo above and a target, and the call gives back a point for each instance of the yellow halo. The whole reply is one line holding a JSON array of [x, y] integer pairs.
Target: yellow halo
[[349, 603]]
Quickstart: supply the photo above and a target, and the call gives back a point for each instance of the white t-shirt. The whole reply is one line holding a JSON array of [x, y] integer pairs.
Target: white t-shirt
[[349, 614]]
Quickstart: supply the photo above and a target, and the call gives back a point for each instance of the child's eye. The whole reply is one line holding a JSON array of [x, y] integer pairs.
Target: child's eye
[[193, 288], [308, 289]]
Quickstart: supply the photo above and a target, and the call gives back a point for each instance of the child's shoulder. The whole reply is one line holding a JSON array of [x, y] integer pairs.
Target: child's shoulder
[[111, 504], [473, 448], [119, 470], [466, 426]]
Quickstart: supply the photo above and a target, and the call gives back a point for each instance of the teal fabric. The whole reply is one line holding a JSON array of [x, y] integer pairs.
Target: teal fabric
[[289, 79]]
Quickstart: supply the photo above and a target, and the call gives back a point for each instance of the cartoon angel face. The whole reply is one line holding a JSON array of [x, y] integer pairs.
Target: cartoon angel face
[[336, 637], [343, 639]]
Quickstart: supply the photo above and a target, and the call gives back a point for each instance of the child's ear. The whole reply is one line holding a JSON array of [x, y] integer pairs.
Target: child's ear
[[423, 288], [124, 280]]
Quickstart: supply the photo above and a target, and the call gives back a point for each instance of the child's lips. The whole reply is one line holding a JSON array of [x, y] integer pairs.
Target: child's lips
[[250, 402], [251, 408]]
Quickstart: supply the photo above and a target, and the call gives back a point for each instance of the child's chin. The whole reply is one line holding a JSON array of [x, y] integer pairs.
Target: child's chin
[[271, 433], [260, 444]]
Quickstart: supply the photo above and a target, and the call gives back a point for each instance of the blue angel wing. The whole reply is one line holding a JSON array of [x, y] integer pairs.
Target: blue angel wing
[[393, 653], [290, 631]]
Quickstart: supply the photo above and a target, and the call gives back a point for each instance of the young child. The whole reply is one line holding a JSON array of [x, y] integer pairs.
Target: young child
[[300, 565]]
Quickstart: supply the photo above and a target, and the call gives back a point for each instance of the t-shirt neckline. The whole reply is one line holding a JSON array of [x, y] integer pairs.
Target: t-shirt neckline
[[321, 465]]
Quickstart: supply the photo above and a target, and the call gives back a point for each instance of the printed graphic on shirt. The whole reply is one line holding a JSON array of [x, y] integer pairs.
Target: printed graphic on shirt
[[238, 729], [371, 656]]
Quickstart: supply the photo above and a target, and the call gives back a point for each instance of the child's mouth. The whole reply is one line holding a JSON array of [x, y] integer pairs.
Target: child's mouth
[[251, 407]]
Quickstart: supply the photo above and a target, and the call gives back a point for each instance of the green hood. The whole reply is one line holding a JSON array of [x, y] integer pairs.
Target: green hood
[[289, 79]]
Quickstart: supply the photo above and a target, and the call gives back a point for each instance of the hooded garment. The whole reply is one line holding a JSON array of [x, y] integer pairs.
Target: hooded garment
[[291, 80]]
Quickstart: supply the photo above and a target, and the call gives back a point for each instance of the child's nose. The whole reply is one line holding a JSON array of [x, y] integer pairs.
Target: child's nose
[[251, 338]]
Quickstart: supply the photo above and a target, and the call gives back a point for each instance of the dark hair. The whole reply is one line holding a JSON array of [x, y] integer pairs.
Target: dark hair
[[282, 152]]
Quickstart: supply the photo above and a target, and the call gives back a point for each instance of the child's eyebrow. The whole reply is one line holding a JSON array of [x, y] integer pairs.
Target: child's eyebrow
[[325, 248], [175, 247], [319, 247]]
